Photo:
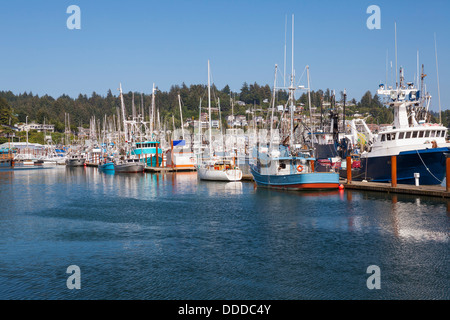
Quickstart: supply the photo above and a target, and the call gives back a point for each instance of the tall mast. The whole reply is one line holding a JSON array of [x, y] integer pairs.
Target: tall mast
[[125, 129], [437, 73], [396, 70], [273, 108], [181, 116], [152, 114], [284, 66], [292, 91], [310, 108], [209, 112]]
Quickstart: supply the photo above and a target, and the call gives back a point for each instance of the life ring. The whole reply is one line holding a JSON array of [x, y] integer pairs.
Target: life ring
[[299, 168]]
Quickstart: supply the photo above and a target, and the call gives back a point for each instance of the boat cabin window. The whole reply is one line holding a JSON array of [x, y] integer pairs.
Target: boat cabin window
[[383, 137], [388, 137], [408, 135], [427, 134], [421, 133], [415, 134], [393, 136], [438, 133], [433, 133], [401, 135], [443, 134]]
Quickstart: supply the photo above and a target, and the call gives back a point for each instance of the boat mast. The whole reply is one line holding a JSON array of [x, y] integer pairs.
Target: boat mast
[[310, 108], [273, 107], [292, 91], [122, 104], [209, 112], [181, 116], [437, 73]]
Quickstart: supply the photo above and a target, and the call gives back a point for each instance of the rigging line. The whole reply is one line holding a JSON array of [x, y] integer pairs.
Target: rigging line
[[427, 167], [303, 73]]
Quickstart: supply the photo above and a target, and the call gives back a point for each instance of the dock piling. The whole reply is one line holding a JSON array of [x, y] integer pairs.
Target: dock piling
[[393, 171], [349, 170]]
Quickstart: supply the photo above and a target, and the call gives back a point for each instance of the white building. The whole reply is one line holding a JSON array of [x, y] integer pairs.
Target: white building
[[36, 126]]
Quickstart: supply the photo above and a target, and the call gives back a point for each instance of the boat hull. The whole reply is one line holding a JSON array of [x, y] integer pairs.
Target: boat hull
[[106, 166], [219, 175], [129, 168], [75, 162], [429, 163], [300, 181]]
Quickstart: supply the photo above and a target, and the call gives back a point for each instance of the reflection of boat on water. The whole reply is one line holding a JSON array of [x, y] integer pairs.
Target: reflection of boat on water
[[221, 188]]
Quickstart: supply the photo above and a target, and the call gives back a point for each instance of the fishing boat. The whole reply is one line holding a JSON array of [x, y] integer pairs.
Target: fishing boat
[[216, 168], [281, 169], [219, 170], [419, 146], [129, 165], [107, 164], [180, 157], [149, 152], [289, 165], [75, 160]]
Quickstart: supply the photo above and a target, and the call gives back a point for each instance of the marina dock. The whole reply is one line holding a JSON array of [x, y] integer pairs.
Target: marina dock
[[166, 169], [433, 191]]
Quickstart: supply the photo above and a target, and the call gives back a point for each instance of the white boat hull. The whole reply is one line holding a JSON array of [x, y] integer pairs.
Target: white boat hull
[[205, 173]]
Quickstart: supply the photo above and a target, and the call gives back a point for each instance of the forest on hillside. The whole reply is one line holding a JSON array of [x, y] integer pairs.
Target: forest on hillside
[[16, 107]]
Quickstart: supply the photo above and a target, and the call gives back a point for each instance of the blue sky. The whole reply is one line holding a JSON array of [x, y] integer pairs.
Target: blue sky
[[139, 43]]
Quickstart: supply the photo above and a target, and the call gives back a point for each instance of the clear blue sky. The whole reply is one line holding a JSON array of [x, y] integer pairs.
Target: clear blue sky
[[169, 42]]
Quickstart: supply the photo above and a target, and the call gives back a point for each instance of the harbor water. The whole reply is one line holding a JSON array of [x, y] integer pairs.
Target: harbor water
[[170, 236]]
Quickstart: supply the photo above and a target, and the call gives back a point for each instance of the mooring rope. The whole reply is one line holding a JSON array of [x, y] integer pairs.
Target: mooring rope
[[427, 167]]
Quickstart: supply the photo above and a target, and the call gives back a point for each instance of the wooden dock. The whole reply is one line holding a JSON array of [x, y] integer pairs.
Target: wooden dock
[[167, 169], [431, 191]]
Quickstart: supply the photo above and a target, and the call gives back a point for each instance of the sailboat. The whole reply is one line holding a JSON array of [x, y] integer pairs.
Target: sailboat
[[216, 168], [288, 165]]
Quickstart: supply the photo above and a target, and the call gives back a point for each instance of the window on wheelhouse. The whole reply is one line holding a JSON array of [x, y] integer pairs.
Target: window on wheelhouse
[[383, 137], [421, 133], [401, 135], [415, 134], [408, 135], [443, 134], [433, 133], [388, 137], [393, 135], [427, 134]]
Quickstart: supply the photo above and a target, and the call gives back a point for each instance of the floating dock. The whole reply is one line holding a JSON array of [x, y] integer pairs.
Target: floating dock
[[167, 169], [430, 191]]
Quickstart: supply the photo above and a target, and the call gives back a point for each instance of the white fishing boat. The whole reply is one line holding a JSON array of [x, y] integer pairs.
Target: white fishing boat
[[216, 168]]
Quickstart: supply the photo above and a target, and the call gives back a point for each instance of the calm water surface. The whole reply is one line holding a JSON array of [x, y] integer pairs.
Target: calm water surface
[[144, 236]]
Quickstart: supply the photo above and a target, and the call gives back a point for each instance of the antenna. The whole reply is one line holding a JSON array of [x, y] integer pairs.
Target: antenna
[[437, 73]]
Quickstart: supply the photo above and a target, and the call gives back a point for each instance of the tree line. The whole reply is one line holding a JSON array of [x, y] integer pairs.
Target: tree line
[[16, 107]]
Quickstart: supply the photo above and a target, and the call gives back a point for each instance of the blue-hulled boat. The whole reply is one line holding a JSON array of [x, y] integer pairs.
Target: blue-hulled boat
[[420, 147], [282, 170], [108, 166]]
